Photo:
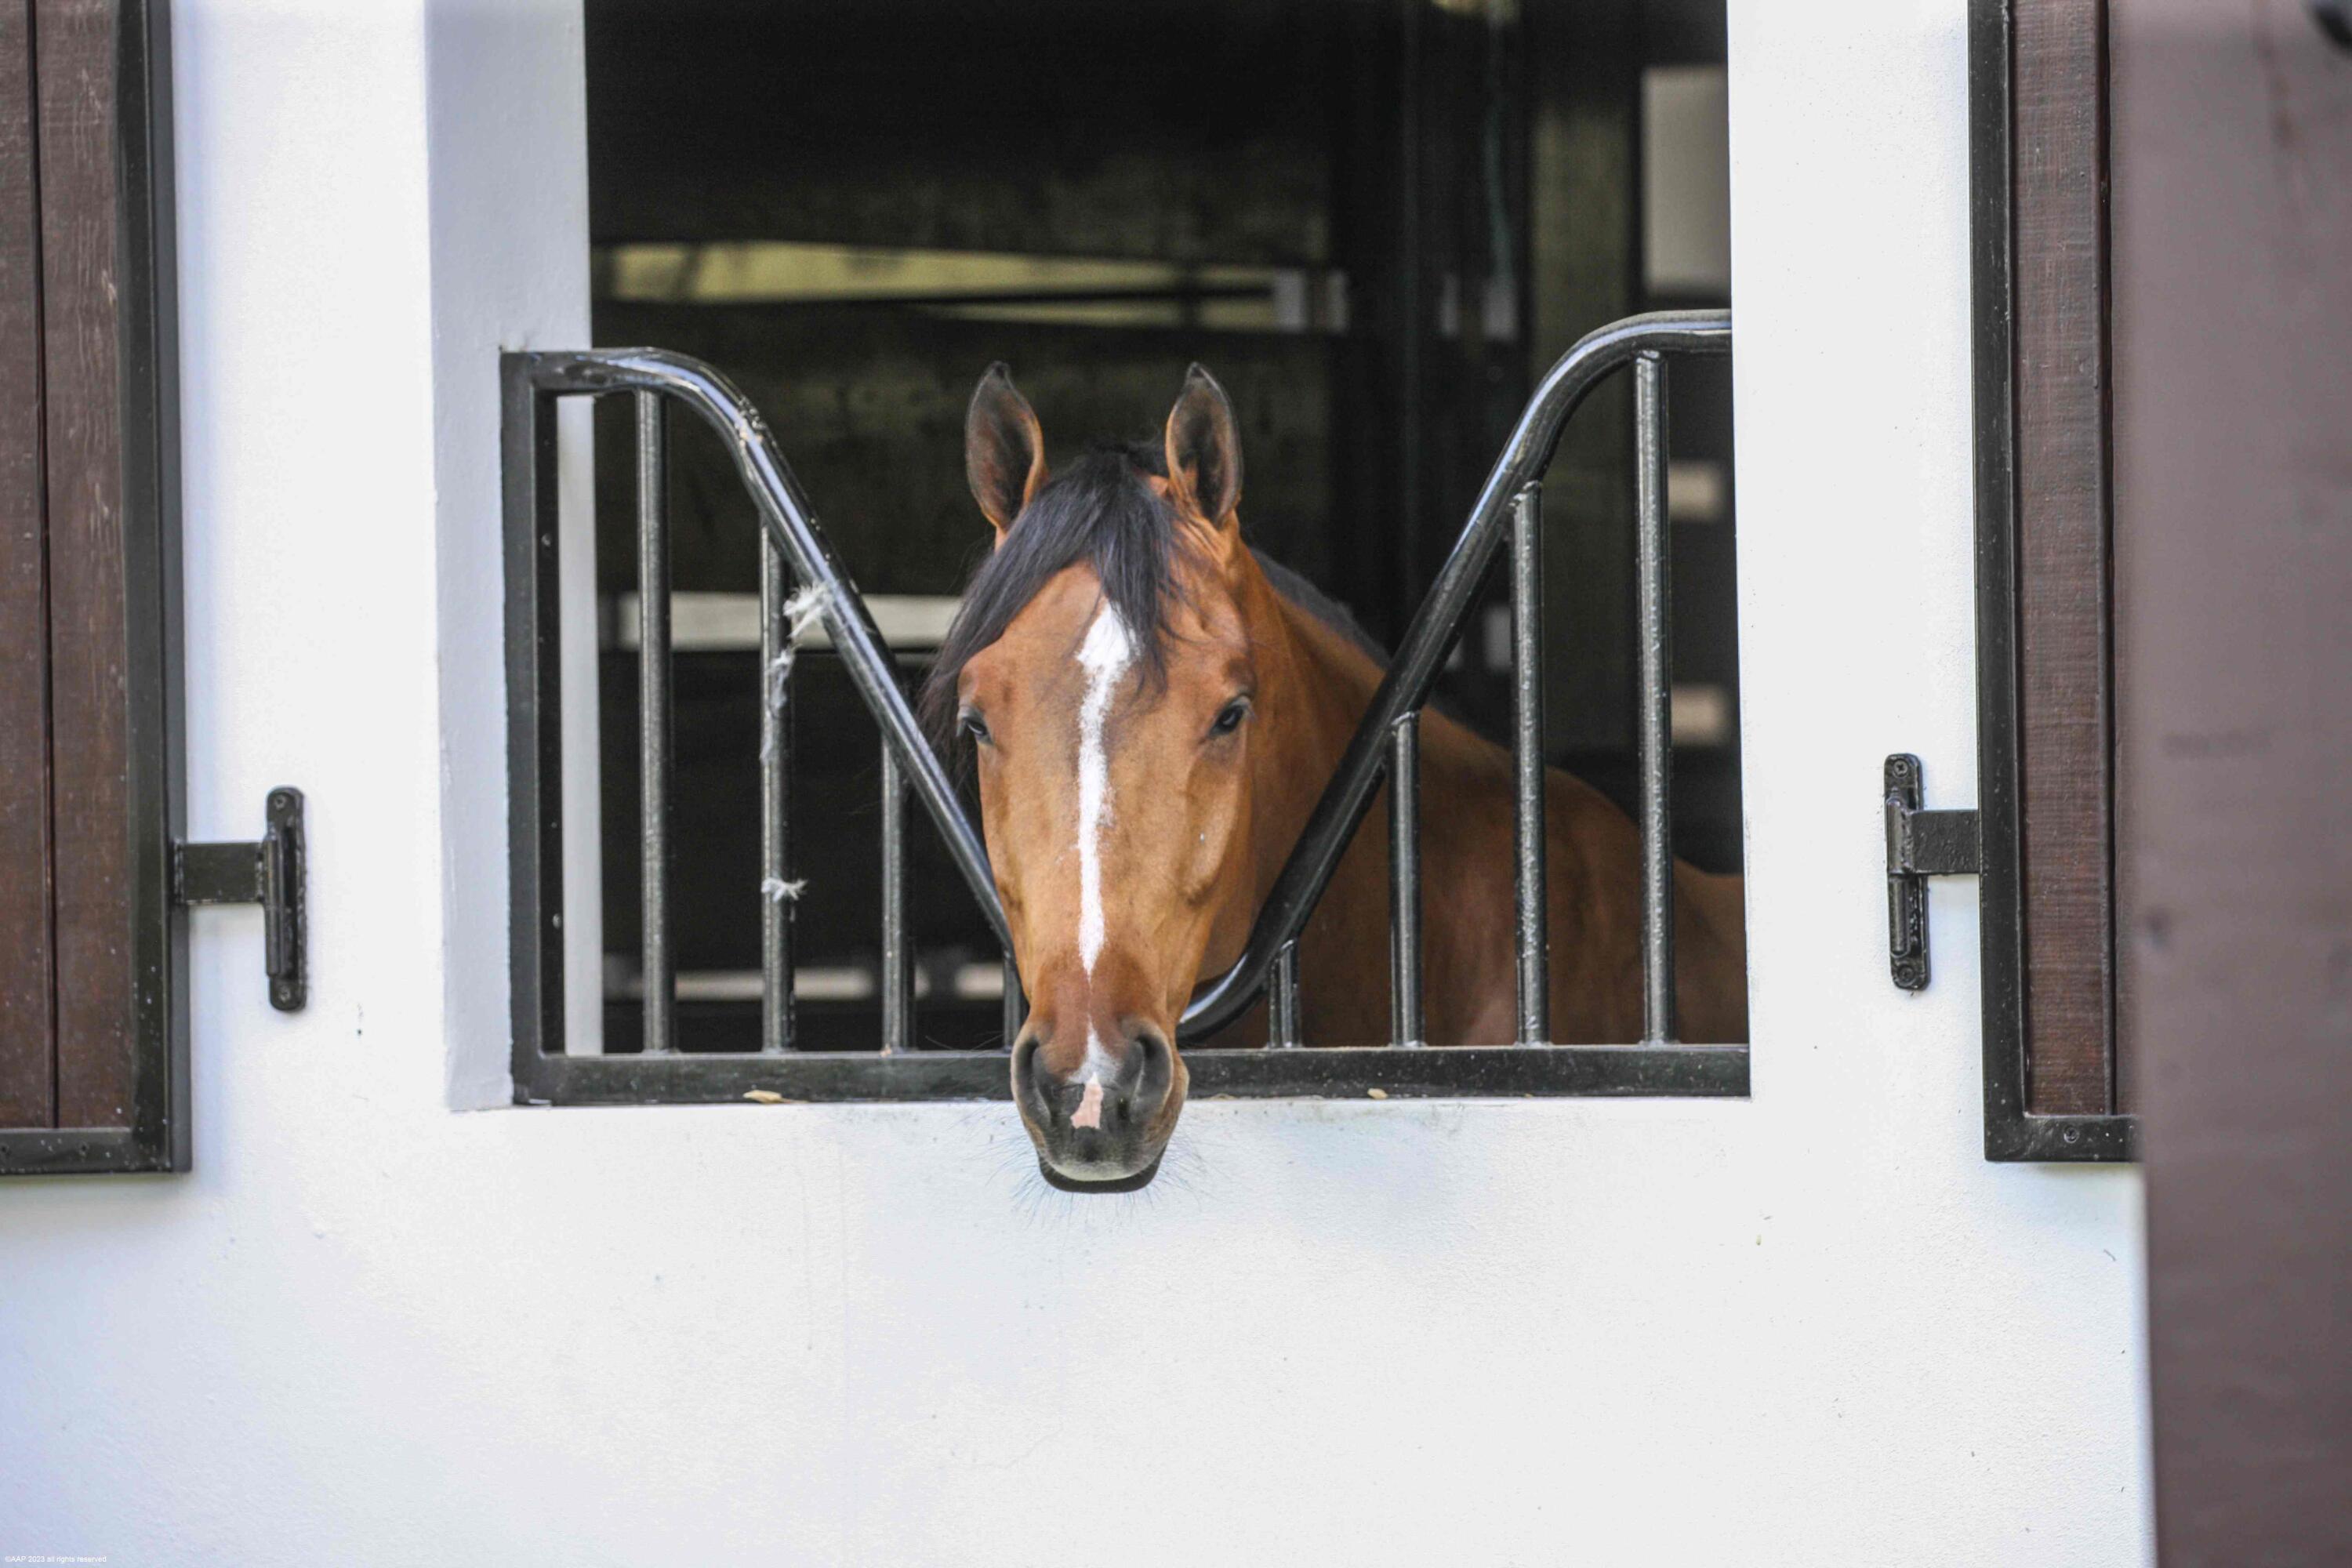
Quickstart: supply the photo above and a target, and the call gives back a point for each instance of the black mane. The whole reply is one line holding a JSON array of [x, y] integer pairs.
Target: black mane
[[1100, 510]]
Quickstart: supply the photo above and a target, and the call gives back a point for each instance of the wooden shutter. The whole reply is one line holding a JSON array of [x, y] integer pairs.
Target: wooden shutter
[[91, 1031], [2046, 734]]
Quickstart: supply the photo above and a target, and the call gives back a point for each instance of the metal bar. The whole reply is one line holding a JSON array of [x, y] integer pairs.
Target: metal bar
[[1016, 1009], [653, 725], [1405, 1026], [1323, 1072], [534, 723], [897, 979], [1529, 841], [779, 909], [1282, 999], [1436, 626], [220, 874], [1654, 616]]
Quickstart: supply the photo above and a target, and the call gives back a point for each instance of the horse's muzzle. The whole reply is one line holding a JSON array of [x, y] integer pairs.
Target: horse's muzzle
[[1101, 1124]]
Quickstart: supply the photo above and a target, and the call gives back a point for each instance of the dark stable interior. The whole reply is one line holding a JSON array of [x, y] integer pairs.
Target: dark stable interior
[[1377, 223]]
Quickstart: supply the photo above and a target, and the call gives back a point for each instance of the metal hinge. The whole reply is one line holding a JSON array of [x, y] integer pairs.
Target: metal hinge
[[1919, 845], [270, 873]]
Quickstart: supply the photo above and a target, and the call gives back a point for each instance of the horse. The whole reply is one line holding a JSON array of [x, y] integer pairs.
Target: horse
[[1152, 711]]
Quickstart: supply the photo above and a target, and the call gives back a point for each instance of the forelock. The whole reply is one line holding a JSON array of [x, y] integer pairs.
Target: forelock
[[1100, 510]]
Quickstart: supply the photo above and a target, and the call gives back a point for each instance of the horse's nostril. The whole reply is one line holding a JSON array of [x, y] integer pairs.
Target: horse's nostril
[[1027, 1091], [1155, 1065], [1150, 1056]]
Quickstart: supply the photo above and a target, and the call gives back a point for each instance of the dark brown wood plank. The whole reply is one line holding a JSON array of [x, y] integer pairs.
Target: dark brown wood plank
[[89, 713], [2233, 218], [27, 1025], [2065, 733]]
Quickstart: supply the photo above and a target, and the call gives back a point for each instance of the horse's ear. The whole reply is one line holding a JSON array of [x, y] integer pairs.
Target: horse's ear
[[1204, 449], [1004, 449]]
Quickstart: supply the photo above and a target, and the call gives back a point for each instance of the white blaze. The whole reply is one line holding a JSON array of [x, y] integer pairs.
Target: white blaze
[[1104, 656]]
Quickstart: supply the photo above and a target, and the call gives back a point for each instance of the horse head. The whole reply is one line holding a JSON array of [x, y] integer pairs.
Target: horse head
[[1107, 669]]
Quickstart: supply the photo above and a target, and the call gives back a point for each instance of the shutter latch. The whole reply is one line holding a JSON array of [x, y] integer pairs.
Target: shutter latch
[[1919, 845], [270, 873]]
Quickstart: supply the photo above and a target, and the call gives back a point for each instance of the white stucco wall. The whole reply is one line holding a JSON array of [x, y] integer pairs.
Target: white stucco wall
[[1813, 1327]]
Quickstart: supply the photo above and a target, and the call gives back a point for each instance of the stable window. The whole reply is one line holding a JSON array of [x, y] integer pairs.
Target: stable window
[[1382, 228]]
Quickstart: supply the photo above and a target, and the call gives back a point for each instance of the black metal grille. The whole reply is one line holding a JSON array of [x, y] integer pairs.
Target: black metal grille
[[1386, 745]]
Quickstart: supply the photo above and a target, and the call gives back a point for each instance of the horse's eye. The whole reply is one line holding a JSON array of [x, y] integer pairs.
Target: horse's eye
[[1229, 719], [972, 724]]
